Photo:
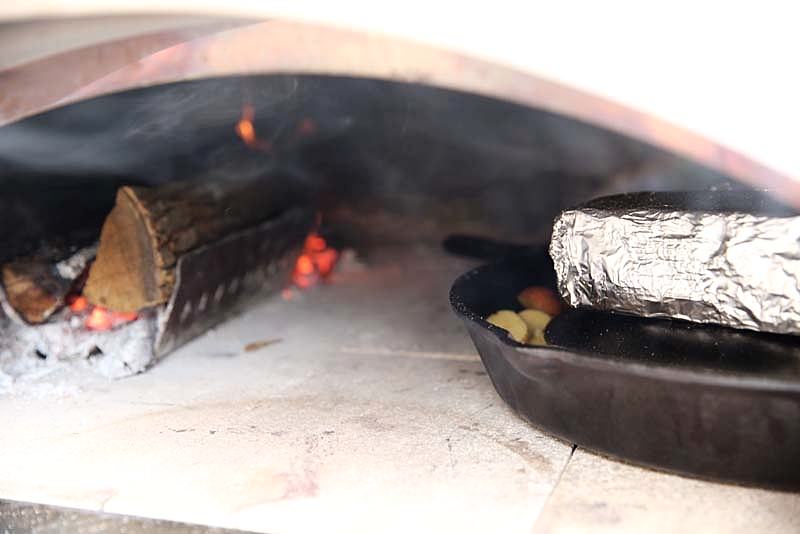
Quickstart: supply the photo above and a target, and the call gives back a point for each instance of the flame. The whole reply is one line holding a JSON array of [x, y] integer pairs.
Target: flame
[[315, 263], [246, 130]]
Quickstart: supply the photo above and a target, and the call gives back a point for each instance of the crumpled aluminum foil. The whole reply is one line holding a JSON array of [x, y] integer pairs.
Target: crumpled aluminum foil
[[727, 258]]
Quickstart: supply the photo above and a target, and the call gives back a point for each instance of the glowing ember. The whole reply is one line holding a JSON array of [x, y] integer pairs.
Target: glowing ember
[[98, 318], [315, 263], [246, 130], [315, 243], [102, 319], [304, 265], [77, 303]]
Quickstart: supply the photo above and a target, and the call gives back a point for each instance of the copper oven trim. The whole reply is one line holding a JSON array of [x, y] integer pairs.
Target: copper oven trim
[[278, 46]]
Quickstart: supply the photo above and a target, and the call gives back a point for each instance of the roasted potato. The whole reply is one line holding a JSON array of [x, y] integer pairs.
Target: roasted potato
[[535, 319], [511, 323]]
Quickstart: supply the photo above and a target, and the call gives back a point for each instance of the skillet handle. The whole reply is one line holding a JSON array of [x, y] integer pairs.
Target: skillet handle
[[484, 248]]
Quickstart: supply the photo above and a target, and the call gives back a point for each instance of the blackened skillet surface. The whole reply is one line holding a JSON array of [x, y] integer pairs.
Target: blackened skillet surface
[[705, 401]]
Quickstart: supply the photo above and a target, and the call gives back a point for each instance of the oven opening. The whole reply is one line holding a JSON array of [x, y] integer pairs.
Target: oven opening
[[141, 221]]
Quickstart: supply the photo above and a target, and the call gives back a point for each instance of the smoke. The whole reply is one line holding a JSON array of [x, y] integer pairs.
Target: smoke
[[459, 161]]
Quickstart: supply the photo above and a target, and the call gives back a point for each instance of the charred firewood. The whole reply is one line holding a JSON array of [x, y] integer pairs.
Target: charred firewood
[[33, 289], [36, 286], [148, 230]]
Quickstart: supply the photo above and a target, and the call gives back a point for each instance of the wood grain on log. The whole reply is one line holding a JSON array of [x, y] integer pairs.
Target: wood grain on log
[[149, 229]]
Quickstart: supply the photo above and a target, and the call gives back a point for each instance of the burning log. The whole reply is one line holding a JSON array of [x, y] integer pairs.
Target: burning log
[[33, 289], [149, 229], [36, 286]]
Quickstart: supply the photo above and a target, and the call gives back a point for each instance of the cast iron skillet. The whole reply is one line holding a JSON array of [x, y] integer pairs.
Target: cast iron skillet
[[698, 400]]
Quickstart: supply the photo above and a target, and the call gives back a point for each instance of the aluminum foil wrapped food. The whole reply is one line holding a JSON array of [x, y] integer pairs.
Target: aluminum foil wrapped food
[[727, 258]]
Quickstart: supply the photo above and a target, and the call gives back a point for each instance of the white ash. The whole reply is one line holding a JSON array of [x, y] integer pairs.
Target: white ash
[[128, 350], [27, 350], [72, 267]]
